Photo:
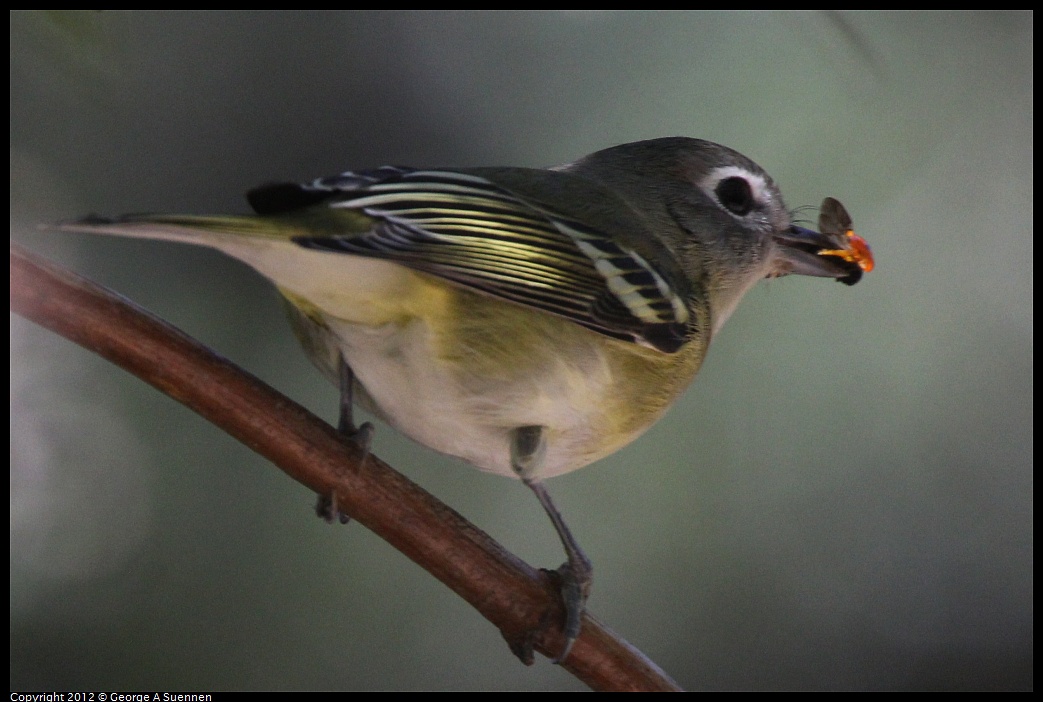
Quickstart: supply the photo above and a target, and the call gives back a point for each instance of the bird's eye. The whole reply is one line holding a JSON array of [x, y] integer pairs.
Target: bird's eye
[[735, 195]]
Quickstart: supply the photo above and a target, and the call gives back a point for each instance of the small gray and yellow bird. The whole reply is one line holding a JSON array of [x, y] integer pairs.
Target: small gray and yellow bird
[[527, 321]]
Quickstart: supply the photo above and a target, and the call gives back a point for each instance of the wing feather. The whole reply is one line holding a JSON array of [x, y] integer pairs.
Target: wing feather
[[465, 228]]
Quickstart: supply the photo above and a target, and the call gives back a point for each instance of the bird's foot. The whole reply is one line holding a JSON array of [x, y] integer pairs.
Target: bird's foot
[[574, 577]]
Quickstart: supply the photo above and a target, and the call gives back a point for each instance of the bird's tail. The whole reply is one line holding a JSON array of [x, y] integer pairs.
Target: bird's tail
[[217, 231]]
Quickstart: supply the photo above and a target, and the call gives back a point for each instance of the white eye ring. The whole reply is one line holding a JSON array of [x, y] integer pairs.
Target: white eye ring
[[759, 191]]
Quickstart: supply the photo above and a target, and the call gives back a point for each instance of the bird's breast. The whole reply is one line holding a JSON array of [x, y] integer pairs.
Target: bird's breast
[[457, 370]]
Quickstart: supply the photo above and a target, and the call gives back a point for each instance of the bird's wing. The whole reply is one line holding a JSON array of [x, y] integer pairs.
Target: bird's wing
[[467, 229]]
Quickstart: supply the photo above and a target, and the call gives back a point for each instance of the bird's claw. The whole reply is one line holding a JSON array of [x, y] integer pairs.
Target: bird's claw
[[574, 581], [362, 436]]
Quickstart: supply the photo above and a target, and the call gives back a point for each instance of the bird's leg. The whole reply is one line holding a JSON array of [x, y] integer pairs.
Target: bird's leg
[[362, 435], [528, 448]]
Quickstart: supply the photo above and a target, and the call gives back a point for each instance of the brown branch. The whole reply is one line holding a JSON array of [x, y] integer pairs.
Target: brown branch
[[512, 595]]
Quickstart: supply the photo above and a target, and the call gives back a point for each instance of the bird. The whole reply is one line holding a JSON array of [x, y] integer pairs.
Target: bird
[[528, 321]]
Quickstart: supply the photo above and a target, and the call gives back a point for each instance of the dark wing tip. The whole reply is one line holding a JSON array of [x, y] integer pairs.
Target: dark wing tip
[[279, 198]]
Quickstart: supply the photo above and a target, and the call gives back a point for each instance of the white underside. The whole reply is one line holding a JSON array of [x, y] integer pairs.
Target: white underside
[[450, 410], [472, 420]]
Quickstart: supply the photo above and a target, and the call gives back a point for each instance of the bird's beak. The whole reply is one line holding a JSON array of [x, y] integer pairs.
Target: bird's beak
[[843, 255]]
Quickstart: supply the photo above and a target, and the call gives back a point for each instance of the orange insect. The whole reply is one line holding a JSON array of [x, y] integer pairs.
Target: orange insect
[[834, 220]]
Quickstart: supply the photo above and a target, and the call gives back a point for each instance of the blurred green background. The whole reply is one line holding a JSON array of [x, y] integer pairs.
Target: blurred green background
[[843, 500]]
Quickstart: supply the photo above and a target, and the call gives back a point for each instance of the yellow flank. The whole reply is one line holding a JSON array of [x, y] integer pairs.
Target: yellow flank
[[493, 365], [594, 394]]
